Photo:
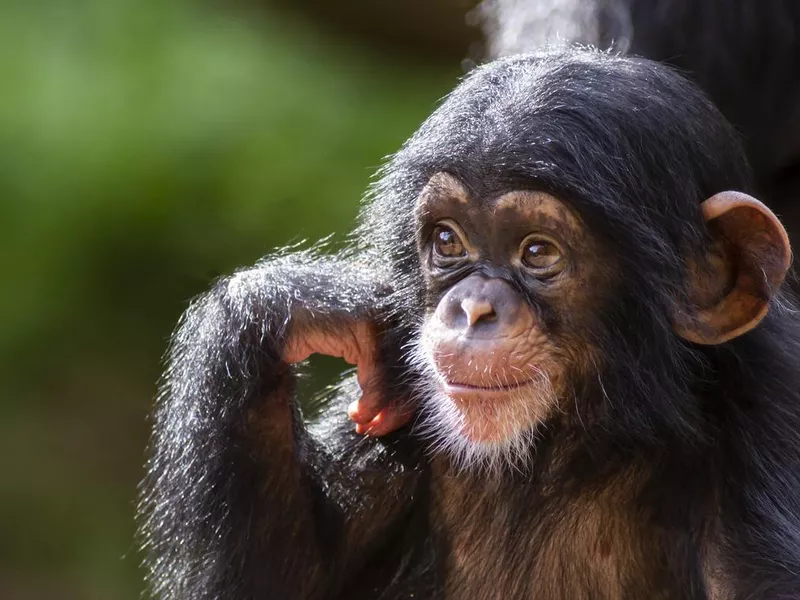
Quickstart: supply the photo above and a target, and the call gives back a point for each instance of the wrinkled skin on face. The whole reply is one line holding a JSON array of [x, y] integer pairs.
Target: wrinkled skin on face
[[512, 280]]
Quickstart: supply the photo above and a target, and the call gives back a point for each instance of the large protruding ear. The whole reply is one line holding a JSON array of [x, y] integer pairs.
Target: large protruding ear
[[731, 291]]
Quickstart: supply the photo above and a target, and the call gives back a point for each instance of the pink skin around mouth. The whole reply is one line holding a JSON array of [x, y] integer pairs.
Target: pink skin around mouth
[[490, 426]]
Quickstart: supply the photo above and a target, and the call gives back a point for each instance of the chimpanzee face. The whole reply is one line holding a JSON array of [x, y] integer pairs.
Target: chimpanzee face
[[513, 281]]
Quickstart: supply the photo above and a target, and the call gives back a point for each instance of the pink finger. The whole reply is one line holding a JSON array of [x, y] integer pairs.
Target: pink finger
[[362, 412], [295, 353], [371, 401], [388, 420]]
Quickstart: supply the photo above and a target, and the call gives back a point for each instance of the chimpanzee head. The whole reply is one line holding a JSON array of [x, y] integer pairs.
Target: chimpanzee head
[[566, 233]]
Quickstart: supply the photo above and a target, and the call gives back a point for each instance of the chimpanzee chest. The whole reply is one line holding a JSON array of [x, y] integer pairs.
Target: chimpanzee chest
[[490, 545]]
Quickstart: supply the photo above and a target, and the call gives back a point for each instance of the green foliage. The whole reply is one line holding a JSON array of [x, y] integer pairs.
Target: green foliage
[[145, 147]]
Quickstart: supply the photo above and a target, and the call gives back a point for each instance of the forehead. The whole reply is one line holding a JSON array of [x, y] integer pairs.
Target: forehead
[[444, 193]]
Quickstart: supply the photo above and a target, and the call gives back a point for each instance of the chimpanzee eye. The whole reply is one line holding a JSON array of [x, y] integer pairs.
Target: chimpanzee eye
[[446, 242], [540, 254]]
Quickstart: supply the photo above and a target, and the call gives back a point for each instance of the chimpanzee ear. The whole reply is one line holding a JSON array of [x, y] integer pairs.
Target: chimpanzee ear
[[730, 293]]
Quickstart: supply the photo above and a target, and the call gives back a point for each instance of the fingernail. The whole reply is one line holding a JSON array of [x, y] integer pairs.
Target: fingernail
[[352, 409]]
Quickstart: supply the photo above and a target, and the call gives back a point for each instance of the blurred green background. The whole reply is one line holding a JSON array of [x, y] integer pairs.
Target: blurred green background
[[147, 146]]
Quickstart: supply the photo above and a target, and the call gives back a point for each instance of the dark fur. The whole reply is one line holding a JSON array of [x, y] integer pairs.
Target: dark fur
[[676, 459], [745, 54]]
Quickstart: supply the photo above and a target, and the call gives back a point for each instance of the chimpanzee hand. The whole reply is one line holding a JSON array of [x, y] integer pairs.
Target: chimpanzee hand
[[357, 343]]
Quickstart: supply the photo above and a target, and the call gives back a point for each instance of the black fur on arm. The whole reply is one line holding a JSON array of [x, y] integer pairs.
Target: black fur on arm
[[235, 505]]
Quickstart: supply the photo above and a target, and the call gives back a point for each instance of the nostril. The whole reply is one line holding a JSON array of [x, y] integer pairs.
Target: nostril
[[478, 310]]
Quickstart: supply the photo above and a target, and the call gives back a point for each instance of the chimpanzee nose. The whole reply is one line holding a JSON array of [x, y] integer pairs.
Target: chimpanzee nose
[[479, 305], [477, 310]]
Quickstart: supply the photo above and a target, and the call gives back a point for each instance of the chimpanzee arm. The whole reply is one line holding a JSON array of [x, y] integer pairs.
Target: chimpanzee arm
[[757, 554], [240, 501], [758, 538]]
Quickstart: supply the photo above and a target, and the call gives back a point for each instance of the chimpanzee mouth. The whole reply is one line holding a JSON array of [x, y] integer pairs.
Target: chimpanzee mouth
[[452, 388]]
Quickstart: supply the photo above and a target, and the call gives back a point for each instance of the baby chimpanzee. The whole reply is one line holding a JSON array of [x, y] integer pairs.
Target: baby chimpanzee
[[579, 373]]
